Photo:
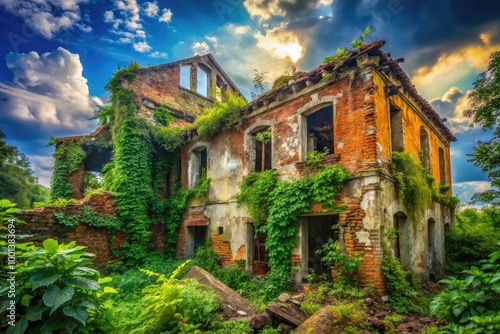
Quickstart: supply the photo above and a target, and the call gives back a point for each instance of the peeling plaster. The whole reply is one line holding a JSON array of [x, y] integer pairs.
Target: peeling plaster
[[368, 204], [364, 237]]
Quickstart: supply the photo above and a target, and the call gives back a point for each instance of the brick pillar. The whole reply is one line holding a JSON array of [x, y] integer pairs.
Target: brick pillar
[[76, 181]]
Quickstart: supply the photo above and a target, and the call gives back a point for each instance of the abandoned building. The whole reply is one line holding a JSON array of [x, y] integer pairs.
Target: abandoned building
[[359, 112]]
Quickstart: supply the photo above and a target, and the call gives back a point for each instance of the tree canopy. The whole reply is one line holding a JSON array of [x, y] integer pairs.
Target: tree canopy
[[17, 182], [485, 111]]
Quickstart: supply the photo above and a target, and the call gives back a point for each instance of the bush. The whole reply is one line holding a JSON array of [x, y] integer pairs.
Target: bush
[[172, 307], [56, 289], [472, 305], [221, 117]]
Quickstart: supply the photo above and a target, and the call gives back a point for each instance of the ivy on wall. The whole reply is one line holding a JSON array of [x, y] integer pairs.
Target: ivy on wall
[[68, 157], [285, 201]]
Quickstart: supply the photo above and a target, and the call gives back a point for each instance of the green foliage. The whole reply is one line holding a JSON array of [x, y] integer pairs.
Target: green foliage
[[310, 307], [223, 116], [472, 305], [314, 159], [347, 267], [285, 201], [91, 182], [57, 202], [402, 294], [171, 138], [444, 188], [163, 115], [234, 326], [172, 307], [254, 192], [285, 78], [264, 136], [341, 55], [472, 239], [68, 156], [485, 107], [56, 289], [17, 182], [92, 192], [414, 187], [390, 323], [258, 83]]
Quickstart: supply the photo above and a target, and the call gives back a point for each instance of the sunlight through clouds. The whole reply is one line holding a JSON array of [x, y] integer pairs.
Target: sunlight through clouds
[[281, 43]]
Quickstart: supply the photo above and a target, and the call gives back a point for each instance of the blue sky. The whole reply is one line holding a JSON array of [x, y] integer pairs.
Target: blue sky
[[57, 55]]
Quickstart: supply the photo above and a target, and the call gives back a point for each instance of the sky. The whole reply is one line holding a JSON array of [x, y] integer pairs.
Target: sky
[[57, 55]]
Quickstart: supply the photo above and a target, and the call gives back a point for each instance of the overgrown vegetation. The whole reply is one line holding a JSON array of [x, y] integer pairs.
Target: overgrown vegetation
[[68, 157], [223, 116], [473, 238], [342, 54], [258, 84], [472, 304], [285, 78], [282, 206]]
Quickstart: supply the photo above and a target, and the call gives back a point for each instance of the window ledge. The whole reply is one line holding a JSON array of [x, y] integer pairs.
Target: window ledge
[[327, 160]]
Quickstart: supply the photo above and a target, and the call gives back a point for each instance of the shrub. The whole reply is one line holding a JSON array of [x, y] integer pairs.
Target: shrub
[[472, 305], [56, 289], [173, 307], [221, 117]]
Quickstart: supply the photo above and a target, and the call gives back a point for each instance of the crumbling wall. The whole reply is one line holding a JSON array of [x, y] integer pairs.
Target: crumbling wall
[[42, 224]]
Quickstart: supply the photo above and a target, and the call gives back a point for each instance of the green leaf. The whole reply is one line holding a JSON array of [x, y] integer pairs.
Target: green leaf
[[84, 283], [78, 313], [55, 296], [40, 278], [25, 300], [19, 328], [35, 312], [87, 304], [108, 289], [103, 280], [50, 245]]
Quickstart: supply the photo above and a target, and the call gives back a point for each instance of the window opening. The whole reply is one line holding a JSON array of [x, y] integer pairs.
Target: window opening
[[320, 130]]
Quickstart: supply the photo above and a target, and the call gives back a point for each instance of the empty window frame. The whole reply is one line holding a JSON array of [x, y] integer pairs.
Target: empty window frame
[[320, 130], [263, 150], [202, 82], [396, 118], [442, 167], [198, 164], [424, 149], [185, 77]]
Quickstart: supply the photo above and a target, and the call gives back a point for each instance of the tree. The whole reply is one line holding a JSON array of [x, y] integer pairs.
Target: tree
[[17, 182], [485, 111]]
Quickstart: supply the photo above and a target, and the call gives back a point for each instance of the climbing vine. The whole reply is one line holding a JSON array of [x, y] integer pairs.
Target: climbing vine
[[286, 200], [68, 156]]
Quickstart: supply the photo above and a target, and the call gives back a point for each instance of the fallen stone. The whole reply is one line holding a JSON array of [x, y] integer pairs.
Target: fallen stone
[[230, 300], [241, 313], [287, 313], [284, 328], [319, 323], [260, 321], [284, 297]]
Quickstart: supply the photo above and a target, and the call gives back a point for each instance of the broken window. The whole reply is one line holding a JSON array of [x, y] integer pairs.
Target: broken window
[[424, 149], [198, 164], [202, 82], [320, 130], [396, 116], [320, 230], [263, 147], [442, 167], [185, 78]]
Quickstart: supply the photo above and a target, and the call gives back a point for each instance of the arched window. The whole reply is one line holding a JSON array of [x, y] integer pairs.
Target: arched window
[[424, 149], [442, 167], [402, 245]]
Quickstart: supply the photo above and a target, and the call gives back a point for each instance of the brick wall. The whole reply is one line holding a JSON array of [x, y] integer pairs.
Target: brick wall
[[42, 224]]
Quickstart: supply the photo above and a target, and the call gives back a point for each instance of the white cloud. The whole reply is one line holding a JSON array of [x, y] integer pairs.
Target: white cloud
[[281, 43], [151, 9], [240, 30], [452, 106], [48, 90], [465, 190], [109, 16], [142, 47], [158, 54], [212, 39], [47, 18], [166, 15], [200, 48], [266, 9]]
